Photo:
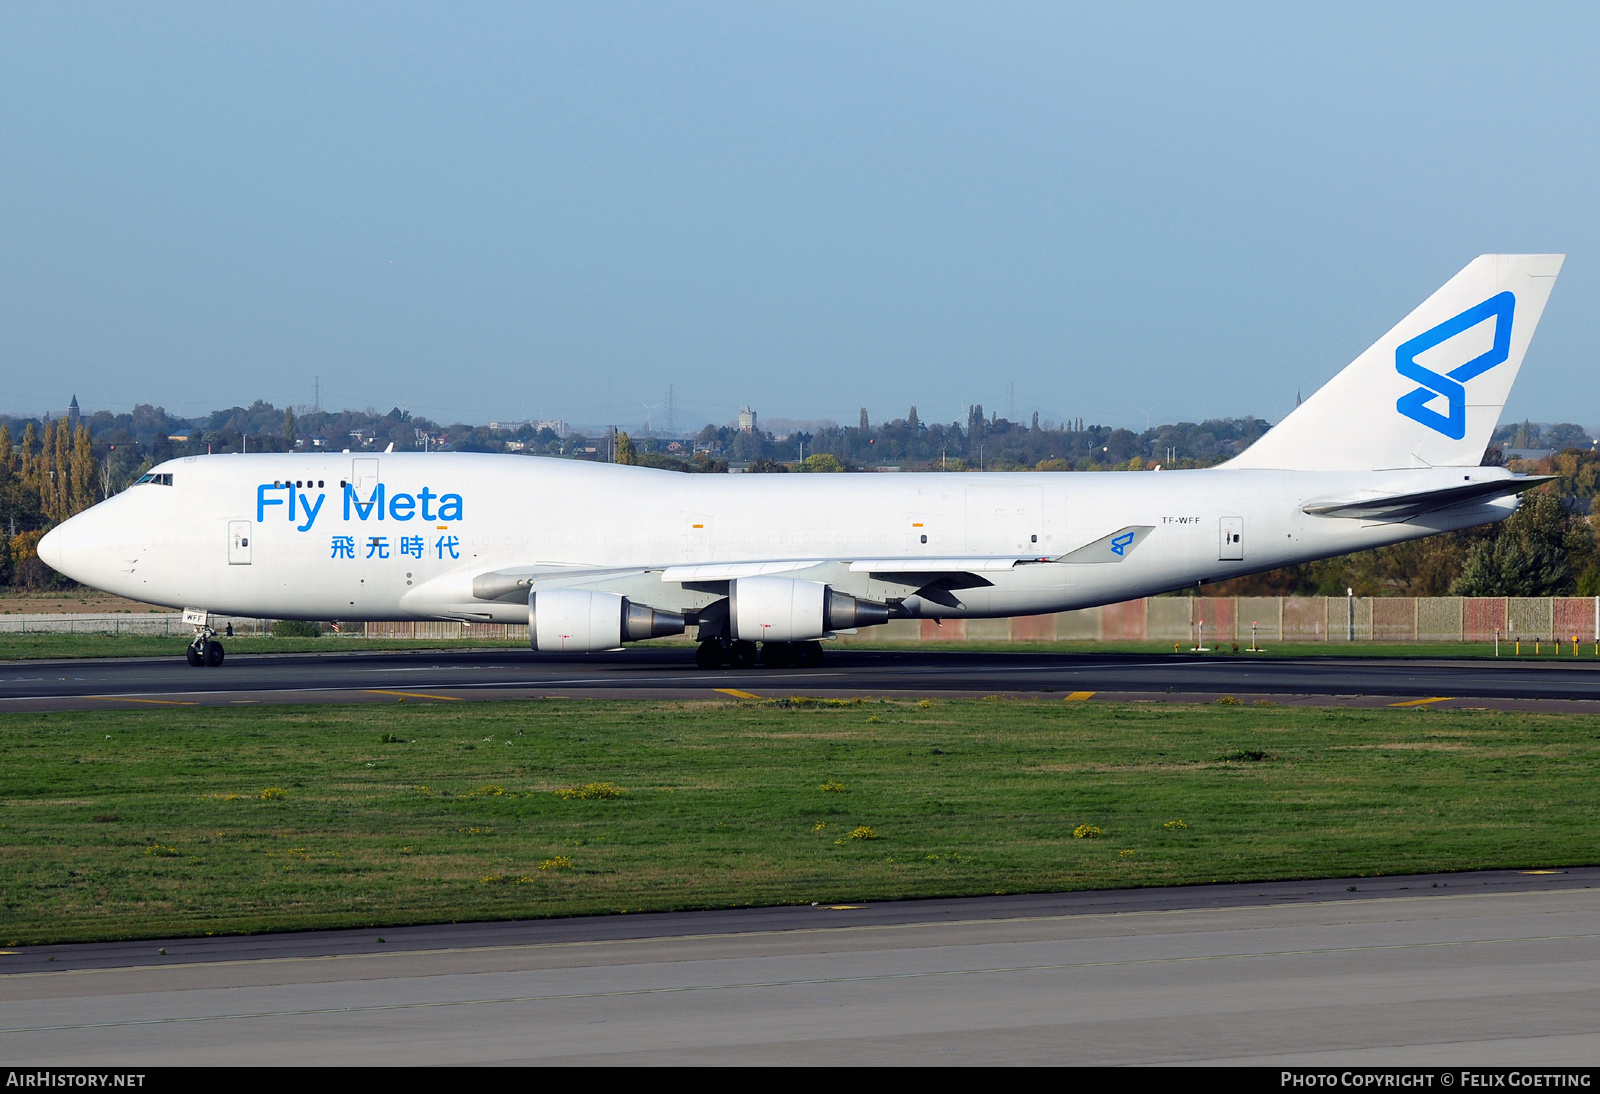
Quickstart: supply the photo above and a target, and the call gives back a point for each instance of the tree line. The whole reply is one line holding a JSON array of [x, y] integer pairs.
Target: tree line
[[45, 477], [49, 471]]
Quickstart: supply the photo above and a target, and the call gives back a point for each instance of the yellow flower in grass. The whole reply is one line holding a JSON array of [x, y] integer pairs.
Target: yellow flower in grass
[[862, 832]]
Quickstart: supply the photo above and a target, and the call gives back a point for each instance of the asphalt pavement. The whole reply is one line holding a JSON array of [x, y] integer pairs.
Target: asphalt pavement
[[1571, 685], [1491, 969]]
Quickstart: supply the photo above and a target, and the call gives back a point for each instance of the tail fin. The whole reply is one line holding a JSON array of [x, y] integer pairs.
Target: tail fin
[[1429, 392]]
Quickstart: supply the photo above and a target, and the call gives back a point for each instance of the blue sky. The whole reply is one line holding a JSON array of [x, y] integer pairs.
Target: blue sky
[[1130, 212]]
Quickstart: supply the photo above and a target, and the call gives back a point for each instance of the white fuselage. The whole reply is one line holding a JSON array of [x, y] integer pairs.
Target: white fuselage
[[404, 535]]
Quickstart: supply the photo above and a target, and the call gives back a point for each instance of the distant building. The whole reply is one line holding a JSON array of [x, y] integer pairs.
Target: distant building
[[555, 425], [72, 414], [747, 420]]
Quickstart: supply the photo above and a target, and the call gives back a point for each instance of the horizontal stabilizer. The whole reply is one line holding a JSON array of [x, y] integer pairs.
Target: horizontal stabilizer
[[1399, 507]]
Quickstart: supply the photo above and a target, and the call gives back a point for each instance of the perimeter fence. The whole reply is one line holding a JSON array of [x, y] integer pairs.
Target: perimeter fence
[[1163, 618], [153, 623], [1226, 619]]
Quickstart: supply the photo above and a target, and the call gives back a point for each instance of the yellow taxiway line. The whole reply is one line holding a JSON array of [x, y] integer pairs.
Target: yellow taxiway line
[[416, 695]]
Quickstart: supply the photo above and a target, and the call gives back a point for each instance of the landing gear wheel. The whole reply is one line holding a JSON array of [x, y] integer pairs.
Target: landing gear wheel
[[196, 658], [807, 655], [742, 655], [213, 654], [776, 655], [709, 655]]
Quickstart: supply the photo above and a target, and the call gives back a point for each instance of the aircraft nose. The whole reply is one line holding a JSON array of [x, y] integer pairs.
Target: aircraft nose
[[50, 548]]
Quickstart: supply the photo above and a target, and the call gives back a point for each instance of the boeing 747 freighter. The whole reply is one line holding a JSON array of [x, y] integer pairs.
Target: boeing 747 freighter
[[592, 556]]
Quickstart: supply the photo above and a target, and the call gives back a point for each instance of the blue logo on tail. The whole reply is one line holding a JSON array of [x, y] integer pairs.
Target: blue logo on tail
[[1451, 386], [1120, 543]]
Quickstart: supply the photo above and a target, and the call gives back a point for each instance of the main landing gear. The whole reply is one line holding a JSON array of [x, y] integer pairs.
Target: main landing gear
[[740, 654]]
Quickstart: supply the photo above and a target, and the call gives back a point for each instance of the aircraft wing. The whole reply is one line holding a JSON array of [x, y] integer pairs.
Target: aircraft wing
[[508, 582], [950, 565], [514, 583], [956, 564], [1402, 507]]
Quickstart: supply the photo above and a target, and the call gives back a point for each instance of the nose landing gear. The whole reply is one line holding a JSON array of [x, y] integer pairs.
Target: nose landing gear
[[205, 649]]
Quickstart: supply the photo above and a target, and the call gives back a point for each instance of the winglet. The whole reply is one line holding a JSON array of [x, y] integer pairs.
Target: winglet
[[1113, 548]]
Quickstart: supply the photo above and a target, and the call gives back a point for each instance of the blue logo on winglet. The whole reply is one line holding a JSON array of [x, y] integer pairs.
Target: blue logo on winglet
[[1451, 386], [1120, 543]]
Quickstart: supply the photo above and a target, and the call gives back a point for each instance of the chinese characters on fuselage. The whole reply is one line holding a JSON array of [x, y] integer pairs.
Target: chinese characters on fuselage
[[410, 546]]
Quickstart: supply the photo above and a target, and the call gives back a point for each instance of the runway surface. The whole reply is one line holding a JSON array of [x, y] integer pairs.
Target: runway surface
[[1493, 969], [345, 676]]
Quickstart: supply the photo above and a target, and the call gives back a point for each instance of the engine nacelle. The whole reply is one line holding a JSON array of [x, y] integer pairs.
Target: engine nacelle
[[787, 609], [580, 620]]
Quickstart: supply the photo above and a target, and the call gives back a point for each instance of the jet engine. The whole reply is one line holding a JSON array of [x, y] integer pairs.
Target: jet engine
[[786, 609], [583, 620]]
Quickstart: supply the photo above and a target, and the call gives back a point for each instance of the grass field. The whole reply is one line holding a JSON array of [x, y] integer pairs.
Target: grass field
[[137, 823]]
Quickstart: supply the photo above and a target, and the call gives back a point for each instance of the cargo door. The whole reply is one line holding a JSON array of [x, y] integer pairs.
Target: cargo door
[[239, 542], [1004, 520]]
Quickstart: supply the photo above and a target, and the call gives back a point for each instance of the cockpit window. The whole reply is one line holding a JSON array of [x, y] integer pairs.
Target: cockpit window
[[164, 479]]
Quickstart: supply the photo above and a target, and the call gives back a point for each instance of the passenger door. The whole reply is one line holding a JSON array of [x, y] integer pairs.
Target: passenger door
[[364, 477], [239, 534], [1230, 546]]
